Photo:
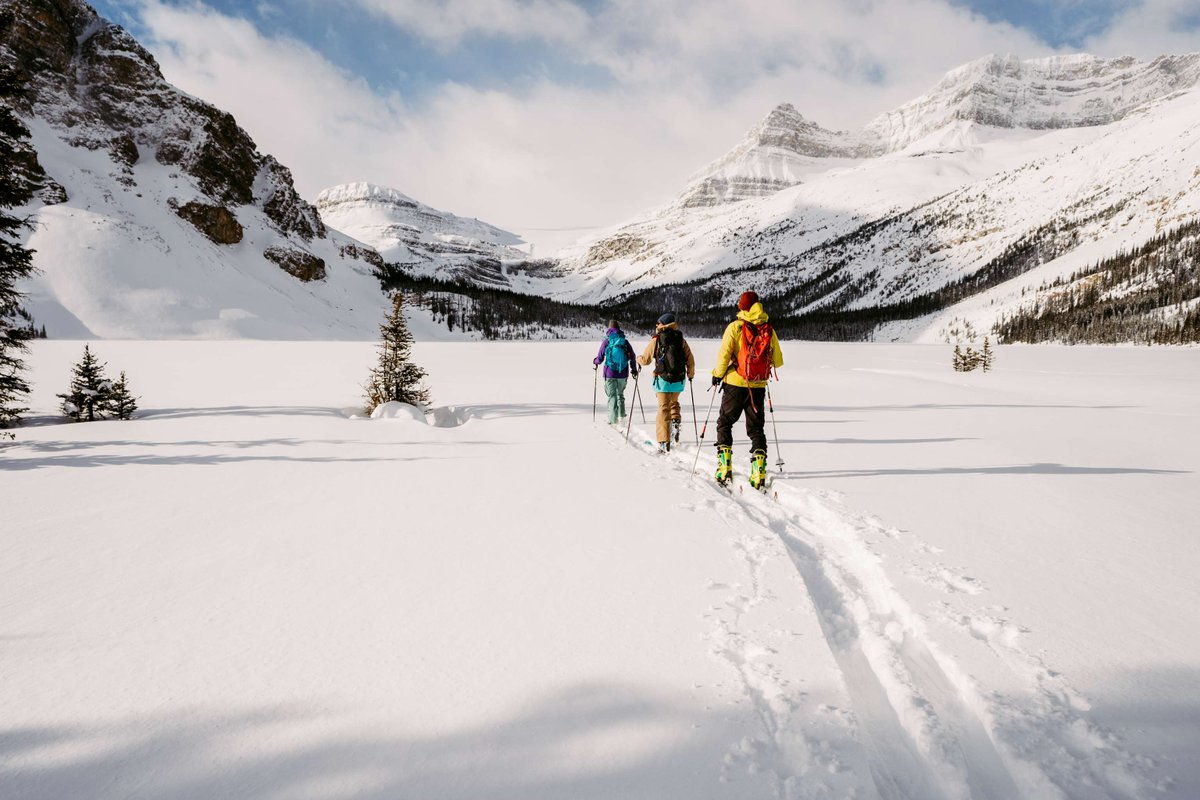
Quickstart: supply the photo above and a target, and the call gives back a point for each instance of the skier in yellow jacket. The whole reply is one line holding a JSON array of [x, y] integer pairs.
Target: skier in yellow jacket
[[749, 351]]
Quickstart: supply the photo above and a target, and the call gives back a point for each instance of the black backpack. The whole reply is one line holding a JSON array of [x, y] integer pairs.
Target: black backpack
[[670, 362]]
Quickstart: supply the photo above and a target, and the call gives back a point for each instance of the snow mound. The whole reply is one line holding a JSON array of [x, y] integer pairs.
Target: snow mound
[[399, 411], [450, 416]]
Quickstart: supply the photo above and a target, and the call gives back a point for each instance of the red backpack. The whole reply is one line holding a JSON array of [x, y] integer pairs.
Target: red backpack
[[754, 352]]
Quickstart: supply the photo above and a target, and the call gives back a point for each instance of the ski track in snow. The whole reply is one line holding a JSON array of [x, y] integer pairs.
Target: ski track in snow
[[924, 728]]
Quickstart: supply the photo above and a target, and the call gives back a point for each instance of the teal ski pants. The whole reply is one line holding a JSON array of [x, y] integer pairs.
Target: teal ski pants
[[614, 390]]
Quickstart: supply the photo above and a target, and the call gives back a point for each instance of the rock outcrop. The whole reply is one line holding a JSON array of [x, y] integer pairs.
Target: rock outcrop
[[216, 222], [103, 91], [297, 263]]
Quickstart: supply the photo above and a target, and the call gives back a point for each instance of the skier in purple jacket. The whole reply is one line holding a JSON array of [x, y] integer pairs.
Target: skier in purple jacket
[[619, 360]]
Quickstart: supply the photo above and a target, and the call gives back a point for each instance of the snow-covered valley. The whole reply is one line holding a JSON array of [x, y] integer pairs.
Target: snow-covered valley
[[970, 586]]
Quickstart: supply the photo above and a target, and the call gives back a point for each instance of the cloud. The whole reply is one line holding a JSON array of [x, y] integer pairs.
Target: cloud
[[688, 79], [448, 22], [1150, 28]]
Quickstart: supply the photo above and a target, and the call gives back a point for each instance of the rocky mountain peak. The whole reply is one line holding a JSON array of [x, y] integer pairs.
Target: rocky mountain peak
[[363, 192], [771, 157], [786, 128], [421, 239], [101, 90]]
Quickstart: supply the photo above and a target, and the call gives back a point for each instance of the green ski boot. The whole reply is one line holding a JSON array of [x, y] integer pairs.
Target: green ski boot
[[758, 470], [724, 465]]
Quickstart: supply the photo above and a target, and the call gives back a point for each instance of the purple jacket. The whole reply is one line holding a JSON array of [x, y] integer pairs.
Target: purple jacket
[[599, 359]]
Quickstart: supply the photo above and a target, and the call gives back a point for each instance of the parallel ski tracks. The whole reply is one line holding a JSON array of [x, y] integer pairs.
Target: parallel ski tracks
[[922, 723]]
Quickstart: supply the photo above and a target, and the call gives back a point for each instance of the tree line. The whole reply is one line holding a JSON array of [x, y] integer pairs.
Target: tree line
[[1148, 295]]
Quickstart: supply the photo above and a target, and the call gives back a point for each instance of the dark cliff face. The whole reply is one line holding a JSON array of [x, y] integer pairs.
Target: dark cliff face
[[100, 89]]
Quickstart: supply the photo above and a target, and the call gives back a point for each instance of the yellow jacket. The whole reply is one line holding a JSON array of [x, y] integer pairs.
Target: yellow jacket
[[731, 342]]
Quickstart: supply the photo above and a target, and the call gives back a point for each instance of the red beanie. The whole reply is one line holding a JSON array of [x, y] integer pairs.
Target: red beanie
[[746, 300]]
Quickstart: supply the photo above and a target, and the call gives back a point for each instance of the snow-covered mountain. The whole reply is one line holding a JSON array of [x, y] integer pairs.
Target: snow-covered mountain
[[998, 92], [779, 152], [422, 240], [1049, 93], [1005, 165], [157, 217]]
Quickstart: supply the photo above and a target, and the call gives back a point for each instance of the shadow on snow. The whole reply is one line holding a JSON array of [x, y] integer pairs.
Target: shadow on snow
[[570, 744]]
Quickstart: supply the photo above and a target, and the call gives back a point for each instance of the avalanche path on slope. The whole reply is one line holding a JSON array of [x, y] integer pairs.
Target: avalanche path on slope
[[925, 728]]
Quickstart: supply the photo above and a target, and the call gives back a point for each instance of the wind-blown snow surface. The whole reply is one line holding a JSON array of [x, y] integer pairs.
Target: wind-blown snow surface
[[972, 585]]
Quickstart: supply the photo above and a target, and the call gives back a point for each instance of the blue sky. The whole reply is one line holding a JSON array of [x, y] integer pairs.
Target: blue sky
[[1055, 22], [391, 58], [570, 113]]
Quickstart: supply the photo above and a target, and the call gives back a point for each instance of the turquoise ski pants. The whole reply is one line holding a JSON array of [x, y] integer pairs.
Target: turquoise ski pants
[[614, 390]]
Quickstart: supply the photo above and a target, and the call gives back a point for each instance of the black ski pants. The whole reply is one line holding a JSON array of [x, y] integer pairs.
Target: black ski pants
[[735, 400]]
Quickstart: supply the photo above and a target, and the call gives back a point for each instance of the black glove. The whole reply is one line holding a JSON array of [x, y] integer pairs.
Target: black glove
[[717, 381]]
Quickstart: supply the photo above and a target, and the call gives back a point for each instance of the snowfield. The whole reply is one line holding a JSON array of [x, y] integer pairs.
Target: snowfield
[[969, 586]]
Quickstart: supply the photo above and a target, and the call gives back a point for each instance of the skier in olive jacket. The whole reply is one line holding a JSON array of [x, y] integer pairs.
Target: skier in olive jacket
[[749, 351]]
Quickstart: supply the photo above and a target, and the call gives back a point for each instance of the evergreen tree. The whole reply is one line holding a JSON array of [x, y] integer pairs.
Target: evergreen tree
[[959, 361], [395, 377], [120, 403], [90, 390], [985, 358], [972, 359], [16, 262]]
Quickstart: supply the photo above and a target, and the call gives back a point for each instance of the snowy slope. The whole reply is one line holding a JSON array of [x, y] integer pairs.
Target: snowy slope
[[116, 262], [424, 241], [157, 216], [962, 591]]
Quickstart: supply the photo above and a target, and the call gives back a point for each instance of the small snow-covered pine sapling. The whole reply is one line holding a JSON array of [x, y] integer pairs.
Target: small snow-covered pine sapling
[[120, 402], [970, 359], [90, 390], [985, 358], [963, 360], [395, 378]]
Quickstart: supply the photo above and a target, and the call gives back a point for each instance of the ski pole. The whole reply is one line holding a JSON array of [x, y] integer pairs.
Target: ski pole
[[704, 430], [695, 422], [629, 424], [775, 430], [639, 396], [595, 388]]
